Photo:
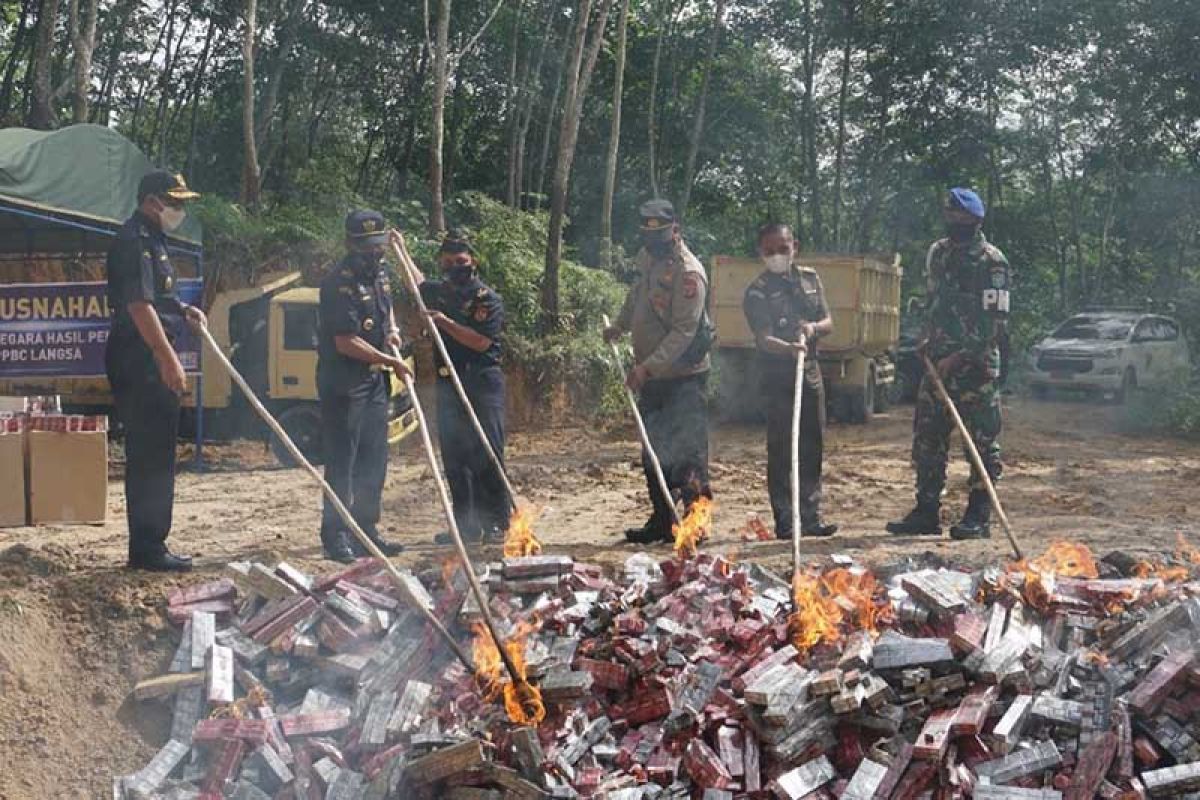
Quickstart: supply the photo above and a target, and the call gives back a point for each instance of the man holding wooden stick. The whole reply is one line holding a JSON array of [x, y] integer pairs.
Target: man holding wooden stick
[[357, 347], [666, 314], [785, 308], [470, 317], [967, 306]]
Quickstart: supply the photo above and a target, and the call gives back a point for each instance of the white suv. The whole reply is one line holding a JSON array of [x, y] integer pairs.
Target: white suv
[[1109, 352]]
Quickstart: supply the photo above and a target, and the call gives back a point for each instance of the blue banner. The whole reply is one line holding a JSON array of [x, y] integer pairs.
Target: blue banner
[[60, 330]]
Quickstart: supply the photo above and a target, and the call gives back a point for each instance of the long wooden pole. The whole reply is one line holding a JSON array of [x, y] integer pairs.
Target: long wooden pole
[[973, 452], [448, 507], [796, 398], [655, 464], [400, 579], [409, 270]]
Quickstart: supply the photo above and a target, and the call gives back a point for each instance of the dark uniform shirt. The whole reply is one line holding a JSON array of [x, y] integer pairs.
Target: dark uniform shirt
[[355, 300], [472, 305], [139, 269], [779, 304]]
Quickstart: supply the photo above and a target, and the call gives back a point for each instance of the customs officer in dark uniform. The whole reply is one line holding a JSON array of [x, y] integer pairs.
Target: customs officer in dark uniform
[[357, 346], [470, 316], [145, 373], [787, 302]]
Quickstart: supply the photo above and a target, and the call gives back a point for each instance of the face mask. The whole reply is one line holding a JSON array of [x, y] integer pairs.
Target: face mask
[[778, 264], [171, 218], [460, 273], [961, 232], [660, 248], [366, 262]]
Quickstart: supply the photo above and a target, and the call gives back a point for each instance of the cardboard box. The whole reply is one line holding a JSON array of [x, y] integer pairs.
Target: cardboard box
[[68, 476], [13, 510]]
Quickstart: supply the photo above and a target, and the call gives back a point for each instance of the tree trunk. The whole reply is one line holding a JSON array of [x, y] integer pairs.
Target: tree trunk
[[839, 169], [527, 102], [251, 176], [579, 76], [441, 77], [192, 99], [539, 181], [810, 130], [85, 46], [289, 29], [454, 135], [167, 91], [41, 111], [614, 142], [403, 165], [149, 69], [15, 54], [651, 125], [689, 171], [517, 69]]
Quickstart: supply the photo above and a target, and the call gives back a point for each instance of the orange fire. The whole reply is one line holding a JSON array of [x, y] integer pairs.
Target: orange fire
[[817, 616], [1062, 559], [694, 529], [522, 701], [519, 540], [858, 587], [1147, 569]]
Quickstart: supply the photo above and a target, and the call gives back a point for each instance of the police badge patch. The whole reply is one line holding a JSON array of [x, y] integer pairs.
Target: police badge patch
[[481, 313]]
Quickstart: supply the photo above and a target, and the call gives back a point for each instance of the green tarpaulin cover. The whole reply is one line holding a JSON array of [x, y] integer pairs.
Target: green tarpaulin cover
[[85, 171]]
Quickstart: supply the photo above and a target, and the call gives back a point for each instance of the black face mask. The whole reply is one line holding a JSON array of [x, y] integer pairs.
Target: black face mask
[[961, 232], [660, 248], [366, 263], [460, 273]]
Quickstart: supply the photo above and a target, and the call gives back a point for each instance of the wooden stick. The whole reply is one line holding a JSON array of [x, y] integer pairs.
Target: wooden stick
[[796, 398], [655, 464], [973, 452], [448, 507], [331, 495], [409, 268]]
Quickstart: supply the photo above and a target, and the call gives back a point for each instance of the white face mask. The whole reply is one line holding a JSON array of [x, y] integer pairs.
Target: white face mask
[[171, 218], [778, 264]]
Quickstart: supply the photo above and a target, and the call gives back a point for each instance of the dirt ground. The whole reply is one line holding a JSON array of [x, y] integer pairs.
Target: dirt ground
[[76, 631]]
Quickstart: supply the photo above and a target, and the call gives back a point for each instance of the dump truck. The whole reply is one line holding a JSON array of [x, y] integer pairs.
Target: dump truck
[[270, 334], [863, 293]]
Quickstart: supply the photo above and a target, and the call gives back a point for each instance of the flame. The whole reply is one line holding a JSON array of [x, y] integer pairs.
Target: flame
[[519, 539], [817, 616], [1147, 569], [522, 702], [1061, 559], [1186, 551], [859, 587], [694, 528]]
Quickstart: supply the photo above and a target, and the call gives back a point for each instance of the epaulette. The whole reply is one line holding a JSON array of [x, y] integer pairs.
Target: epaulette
[[803, 268], [760, 282]]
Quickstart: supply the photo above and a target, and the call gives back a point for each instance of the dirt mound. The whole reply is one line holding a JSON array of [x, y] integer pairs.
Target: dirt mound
[[71, 646]]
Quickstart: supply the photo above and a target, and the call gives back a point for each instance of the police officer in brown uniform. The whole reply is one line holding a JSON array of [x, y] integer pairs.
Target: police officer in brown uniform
[[786, 309], [665, 313]]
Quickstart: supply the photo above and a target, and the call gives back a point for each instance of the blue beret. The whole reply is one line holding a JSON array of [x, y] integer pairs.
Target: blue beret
[[966, 200]]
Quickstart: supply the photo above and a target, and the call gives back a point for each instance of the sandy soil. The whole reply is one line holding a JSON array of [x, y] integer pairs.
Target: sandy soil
[[76, 631]]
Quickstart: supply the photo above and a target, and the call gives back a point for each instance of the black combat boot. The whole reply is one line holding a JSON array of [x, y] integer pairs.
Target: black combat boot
[[976, 522], [336, 547], [818, 529], [921, 521], [656, 529], [385, 547]]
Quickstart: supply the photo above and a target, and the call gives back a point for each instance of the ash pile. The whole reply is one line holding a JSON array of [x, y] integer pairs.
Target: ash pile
[[1062, 677]]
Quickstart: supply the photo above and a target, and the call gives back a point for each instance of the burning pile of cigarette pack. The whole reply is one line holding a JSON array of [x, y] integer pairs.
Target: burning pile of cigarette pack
[[1061, 677]]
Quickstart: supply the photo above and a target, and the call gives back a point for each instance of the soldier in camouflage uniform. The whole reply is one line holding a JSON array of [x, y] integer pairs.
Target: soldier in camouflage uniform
[[967, 306]]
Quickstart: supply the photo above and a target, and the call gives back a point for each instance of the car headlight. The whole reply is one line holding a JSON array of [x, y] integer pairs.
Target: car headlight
[[1112, 352]]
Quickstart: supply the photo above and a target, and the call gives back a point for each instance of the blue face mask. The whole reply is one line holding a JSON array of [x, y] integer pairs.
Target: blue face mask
[[366, 261]]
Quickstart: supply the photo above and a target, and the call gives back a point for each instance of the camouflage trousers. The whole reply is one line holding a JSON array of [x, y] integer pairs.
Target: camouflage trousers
[[978, 402]]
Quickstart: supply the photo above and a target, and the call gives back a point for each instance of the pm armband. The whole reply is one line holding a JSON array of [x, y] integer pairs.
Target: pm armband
[[996, 300]]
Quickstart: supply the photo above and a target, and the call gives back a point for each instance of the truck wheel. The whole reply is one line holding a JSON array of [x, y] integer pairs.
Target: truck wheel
[[303, 425], [862, 402]]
